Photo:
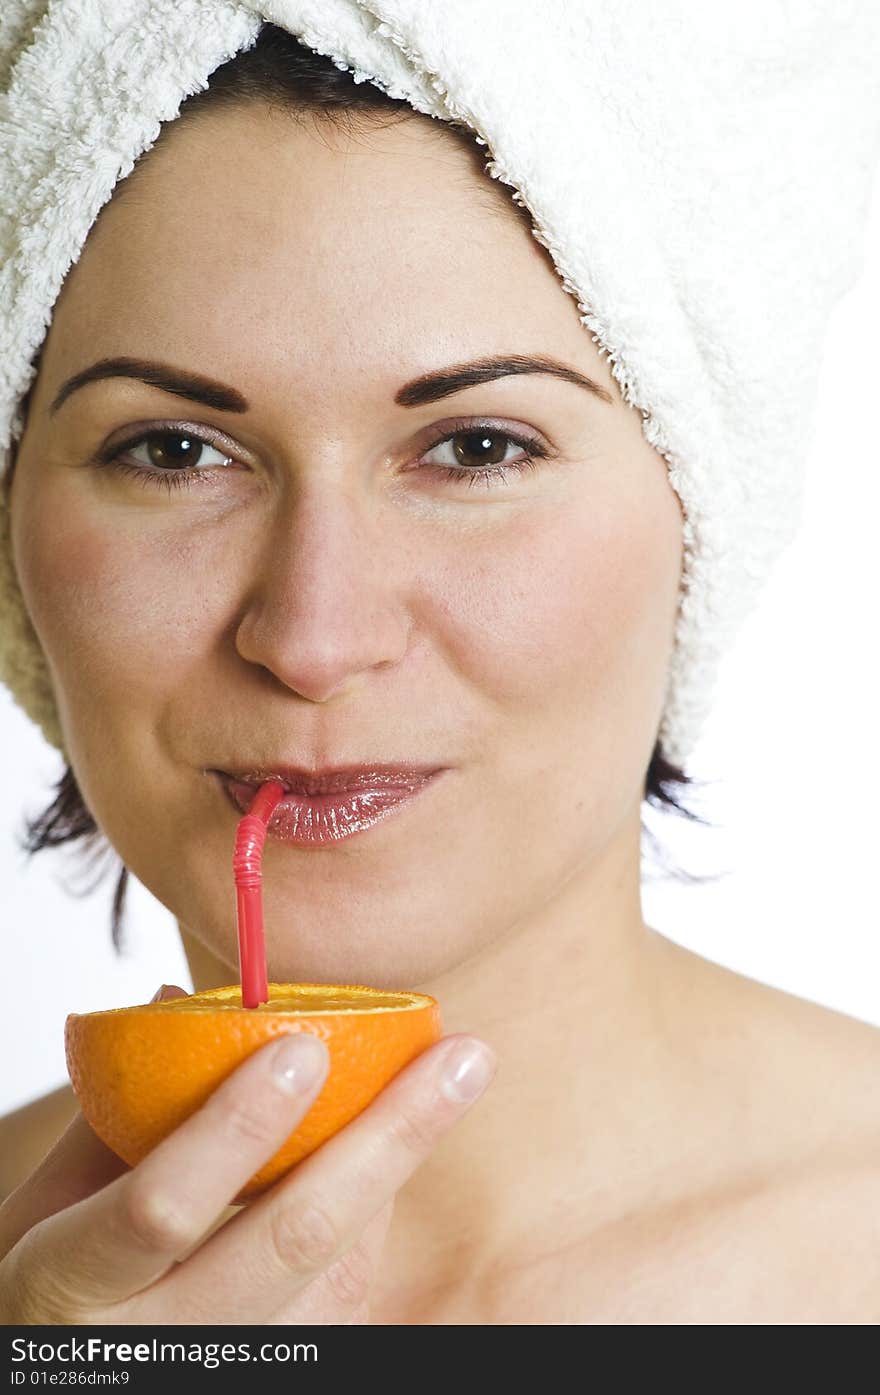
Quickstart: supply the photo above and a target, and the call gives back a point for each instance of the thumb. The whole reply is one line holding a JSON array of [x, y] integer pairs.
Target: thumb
[[78, 1165], [168, 990]]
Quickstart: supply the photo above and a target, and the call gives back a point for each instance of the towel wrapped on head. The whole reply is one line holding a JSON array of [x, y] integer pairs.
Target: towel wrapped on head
[[700, 176]]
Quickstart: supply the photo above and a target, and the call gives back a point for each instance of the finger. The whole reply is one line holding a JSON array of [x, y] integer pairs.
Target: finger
[[289, 1236], [117, 1242], [341, 1294], [168, 990], [77, 1165]]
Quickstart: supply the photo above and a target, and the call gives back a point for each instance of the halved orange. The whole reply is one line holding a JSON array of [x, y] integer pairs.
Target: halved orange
[[138, 1072]]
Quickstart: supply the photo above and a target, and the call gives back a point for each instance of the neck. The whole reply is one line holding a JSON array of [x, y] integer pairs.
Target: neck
[[206, 970]]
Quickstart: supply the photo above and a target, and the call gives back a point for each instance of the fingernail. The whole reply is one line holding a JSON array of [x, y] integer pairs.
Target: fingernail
[[468, 1071], [158, 993], [297, 1061]]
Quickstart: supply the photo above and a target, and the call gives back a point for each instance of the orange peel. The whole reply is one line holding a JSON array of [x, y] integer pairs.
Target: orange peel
[[138, 1072]]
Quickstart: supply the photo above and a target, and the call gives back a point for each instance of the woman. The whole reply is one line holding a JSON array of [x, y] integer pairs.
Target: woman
[[372, 496]]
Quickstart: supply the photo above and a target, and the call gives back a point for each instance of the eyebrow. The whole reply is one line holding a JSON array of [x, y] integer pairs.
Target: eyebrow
[[429, 387], [184, 384]]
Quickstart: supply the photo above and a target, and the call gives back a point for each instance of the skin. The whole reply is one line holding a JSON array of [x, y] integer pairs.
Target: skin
[[652, 1116]]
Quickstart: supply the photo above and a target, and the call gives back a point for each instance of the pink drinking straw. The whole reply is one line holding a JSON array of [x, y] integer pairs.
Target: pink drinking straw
[[247, 863]]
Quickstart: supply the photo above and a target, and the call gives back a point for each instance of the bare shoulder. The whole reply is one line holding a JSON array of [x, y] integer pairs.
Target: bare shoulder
[[805, 1077], [803, 1248], [27, 1134], [784, 1227], [791, 1233], [821, 1208]]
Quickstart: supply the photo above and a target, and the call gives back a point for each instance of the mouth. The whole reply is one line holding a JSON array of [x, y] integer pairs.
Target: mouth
[[327, 806]]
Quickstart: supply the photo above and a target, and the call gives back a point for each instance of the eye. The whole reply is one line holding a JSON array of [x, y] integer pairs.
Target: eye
[[170, 457], [476, 448], [479, 451], [173, 450]]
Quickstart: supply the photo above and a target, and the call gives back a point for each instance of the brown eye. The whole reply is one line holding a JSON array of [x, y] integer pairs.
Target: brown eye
[[480, 448], [172, 450], [167, 451]]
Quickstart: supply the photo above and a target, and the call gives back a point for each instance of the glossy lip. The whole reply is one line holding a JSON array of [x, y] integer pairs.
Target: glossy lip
[[337, 779], [315, 820]]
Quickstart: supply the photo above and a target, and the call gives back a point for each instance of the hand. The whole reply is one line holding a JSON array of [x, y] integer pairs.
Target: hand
[[86, 1240]]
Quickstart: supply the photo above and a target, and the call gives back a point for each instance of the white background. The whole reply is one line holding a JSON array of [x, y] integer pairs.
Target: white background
[[791, 751]]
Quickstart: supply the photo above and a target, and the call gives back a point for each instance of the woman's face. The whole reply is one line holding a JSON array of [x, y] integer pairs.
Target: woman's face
[[321, 590]]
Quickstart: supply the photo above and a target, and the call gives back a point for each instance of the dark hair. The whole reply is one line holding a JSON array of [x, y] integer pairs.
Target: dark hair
[[280, 72]]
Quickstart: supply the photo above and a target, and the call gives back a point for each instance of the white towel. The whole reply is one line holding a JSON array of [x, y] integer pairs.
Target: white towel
[[700, 174]]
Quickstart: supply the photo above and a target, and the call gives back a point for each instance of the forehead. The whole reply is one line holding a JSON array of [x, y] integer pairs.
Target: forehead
[[246, 232]]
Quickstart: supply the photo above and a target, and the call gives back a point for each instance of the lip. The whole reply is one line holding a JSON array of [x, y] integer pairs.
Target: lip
[[330, 805], [337, 779]]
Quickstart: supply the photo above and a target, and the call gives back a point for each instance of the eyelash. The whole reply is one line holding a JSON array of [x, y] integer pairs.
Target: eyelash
[[172, 480]]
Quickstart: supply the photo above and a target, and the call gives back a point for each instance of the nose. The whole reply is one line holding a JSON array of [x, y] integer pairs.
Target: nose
[[328, 602]]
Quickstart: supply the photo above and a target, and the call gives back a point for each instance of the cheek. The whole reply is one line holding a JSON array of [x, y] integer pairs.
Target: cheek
[[574, 605], [561, 622], [108, 608]]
